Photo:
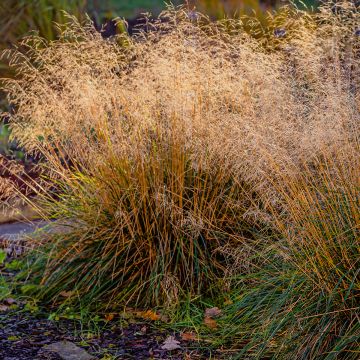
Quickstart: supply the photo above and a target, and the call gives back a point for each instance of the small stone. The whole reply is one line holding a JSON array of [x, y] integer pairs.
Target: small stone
[[68, 351]]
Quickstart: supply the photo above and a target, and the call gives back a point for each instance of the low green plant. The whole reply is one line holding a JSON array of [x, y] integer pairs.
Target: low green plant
[[3, 256], [9, 148], [5, 290]]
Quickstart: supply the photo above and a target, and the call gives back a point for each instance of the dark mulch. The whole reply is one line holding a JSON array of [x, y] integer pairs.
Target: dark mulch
[[23, 336]]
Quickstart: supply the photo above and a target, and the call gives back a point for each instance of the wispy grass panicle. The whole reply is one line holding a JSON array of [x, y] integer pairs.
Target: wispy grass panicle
[[233, 97]]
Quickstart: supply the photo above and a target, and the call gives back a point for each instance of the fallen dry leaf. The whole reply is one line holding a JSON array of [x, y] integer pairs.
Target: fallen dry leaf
[[171, 344], [210, 323], [149, 315], [188, 336], [213, 312], [109, 317]]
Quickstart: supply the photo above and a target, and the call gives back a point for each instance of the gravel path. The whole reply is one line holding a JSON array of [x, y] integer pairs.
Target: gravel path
[[17, 229]]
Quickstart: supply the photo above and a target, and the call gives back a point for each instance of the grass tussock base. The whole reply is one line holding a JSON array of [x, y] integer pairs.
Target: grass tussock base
[[151, 231], [196, 161]]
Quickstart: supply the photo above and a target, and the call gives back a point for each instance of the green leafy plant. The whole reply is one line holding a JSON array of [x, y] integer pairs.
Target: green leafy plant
[[2, 256]]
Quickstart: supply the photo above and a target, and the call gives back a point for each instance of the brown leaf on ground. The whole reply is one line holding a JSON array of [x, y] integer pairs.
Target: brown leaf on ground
[[210, 323], [149, 315], [66, 294], [188, 336], [213, 312], [109, 317]]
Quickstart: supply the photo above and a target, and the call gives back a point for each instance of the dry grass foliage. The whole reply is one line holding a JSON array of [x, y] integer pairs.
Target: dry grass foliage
[[321, 228], [322, 223], [228, 99], [167, 146]]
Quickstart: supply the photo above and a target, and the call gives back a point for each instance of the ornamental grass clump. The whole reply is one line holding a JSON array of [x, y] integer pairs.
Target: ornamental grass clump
[[172, 151], [303, 302], [323, 224], [322, 234], [146, 232]]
